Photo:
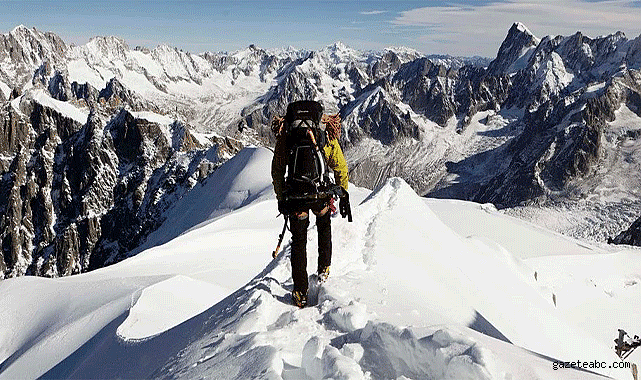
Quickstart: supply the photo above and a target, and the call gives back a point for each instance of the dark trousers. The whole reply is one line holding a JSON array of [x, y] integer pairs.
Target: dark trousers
[[299, 222]]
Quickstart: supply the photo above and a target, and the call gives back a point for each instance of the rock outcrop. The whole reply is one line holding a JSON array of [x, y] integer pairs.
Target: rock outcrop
[[79, 196]]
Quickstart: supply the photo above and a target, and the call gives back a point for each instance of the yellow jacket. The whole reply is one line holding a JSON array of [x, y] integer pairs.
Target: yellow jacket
[[333, 155]]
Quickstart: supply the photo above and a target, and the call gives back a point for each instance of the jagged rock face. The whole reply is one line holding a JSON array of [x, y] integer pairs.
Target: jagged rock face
[[14, 131], [565, 123], [562, 88], [428, 89], [84, 92], [380, 119], [386, 65], [76, 197], [631, 236], [116, 95], [26, 49], [59, 87], [514, 51], [26, 226]]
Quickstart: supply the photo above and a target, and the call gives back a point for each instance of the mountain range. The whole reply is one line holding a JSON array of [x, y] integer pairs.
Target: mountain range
[[99, 141]]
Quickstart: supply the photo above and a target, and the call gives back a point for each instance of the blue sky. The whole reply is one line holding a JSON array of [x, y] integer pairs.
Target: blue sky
[[464, 27]]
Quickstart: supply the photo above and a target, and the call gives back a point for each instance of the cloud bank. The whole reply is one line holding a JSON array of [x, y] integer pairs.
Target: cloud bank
[[479, 29]]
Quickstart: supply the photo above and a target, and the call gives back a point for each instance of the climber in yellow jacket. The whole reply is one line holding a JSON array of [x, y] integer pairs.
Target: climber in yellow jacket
[[303, 151]]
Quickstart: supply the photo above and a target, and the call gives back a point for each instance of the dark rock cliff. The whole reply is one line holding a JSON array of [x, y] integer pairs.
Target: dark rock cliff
[[76, 197]]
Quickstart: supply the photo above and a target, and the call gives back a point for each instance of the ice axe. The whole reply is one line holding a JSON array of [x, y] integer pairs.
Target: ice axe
[[280, 237]]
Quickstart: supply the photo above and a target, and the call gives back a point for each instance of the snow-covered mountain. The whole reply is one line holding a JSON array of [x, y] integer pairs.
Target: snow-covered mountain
[[549, 127], [419, 288], [98, 141], [93, 148]]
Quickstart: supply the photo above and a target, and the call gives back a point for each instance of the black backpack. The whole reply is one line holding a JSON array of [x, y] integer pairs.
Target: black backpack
[[307, 172]]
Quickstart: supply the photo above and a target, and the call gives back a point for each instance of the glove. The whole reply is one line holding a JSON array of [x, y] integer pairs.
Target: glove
[[344, 206], [284, 207]]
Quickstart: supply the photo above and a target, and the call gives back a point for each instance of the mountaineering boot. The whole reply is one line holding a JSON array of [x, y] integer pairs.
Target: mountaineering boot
[[323, 273], [299, 298]]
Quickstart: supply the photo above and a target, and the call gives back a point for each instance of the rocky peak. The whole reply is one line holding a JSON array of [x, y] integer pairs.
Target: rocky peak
[[32, 39], [113, 89], [182, 139], [251, 59], [338, 52], [428, 88], [115, 95], [107, 48], [219, 61], [84, 93], [59, 87], [633, 55], [388, 63], [577, 53], [609, 54], [20, 29], [404, 54], [379, 118], [593, 59], [27, 49], [514, 51]]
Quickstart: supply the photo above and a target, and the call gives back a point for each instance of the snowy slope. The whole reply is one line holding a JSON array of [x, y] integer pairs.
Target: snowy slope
[[419, 289], [241, 181]]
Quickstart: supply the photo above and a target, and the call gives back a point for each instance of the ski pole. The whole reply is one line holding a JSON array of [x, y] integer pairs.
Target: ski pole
[[280, 238]]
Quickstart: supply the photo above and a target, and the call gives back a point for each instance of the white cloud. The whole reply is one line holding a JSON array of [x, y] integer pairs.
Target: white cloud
[[372, 12], [480, 29]]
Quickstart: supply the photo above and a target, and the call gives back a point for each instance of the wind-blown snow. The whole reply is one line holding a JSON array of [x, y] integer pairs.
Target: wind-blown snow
[[182, 298], [418, 289], [64, 108], [153, 117]]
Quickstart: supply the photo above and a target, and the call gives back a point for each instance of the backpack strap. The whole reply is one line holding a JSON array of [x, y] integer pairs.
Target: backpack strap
[[319, 153]]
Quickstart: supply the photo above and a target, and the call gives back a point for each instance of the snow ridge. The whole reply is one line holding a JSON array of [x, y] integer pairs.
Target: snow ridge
[[424, 302]]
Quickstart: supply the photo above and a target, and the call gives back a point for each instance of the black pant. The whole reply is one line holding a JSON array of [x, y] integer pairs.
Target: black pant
[[299, 222]]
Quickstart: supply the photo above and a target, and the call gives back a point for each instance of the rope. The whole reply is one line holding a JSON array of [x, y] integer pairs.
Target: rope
[[333, 125], [277, 125]]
